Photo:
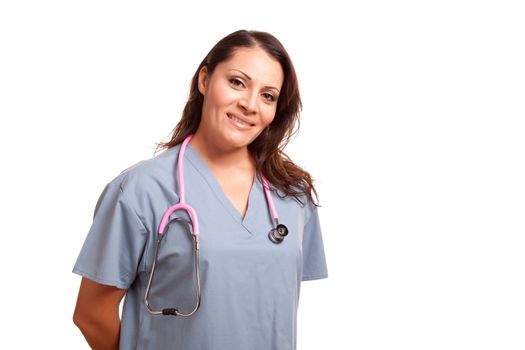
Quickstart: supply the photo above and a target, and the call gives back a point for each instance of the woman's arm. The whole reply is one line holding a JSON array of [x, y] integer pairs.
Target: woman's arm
[[97, 314]]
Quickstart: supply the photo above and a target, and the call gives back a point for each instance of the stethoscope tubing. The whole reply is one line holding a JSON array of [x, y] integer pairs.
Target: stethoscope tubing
[[182, 205], [174, 311], [276, 235]]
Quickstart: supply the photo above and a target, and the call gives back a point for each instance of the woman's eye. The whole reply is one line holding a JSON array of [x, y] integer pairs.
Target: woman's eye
[[236, 82], [269, 97]]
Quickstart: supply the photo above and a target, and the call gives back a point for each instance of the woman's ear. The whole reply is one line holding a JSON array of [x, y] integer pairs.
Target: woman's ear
[[203, 79]]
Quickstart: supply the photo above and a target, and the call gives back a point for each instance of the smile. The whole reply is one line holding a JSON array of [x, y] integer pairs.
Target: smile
[[239, 122]]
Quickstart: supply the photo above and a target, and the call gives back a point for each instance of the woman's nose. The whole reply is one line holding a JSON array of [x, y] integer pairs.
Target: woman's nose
[[248, 103]]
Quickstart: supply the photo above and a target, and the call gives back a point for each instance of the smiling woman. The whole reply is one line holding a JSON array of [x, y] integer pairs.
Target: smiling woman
[[238, 107], [257, 234], [266, 56]]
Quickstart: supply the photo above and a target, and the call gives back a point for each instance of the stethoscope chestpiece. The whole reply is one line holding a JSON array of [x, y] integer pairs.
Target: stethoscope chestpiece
[[278, 233]]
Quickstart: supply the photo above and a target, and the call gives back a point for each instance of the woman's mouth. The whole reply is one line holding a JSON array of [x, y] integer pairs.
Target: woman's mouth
[[239, 122]]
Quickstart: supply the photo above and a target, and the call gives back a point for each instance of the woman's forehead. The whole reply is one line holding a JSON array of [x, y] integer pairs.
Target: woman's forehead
[[257, 64]]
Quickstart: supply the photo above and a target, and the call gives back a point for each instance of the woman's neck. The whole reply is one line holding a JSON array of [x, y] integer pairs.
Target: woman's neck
[[218, 157]]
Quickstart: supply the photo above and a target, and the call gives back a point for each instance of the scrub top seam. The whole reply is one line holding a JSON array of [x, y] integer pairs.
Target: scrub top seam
[[314, 277], [105, 281], [143, 264], [124, 197]]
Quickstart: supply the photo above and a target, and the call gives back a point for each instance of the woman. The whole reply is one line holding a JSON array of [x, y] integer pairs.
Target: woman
[[243, 107]]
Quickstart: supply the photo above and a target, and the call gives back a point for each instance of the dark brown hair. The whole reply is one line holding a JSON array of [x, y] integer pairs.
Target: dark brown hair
[[267, 148]]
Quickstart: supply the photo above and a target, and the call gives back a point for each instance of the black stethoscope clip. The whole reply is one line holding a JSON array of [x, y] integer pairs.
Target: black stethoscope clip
[[278, 233]]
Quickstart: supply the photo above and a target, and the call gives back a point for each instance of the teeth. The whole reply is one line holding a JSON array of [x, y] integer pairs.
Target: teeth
[[238, 120]]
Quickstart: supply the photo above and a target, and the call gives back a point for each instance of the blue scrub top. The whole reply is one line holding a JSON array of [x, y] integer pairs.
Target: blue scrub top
[[250, 286]]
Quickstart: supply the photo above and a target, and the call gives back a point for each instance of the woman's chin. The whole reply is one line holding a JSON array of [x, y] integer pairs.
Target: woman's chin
[[238, 140]]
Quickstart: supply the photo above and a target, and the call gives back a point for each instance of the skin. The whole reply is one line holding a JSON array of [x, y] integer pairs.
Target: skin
[[246, 86], [97, 314]]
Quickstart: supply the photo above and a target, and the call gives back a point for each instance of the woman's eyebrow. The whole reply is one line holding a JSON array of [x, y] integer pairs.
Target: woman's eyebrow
[[249, 78]]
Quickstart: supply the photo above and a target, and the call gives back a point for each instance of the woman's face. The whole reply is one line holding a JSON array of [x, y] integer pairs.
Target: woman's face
[[240, 97]]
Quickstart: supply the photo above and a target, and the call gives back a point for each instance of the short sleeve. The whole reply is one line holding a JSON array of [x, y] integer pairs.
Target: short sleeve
[[314, 260], [115, 243]]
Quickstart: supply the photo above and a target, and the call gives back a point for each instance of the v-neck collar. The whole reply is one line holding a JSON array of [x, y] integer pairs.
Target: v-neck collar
[[253, 200]]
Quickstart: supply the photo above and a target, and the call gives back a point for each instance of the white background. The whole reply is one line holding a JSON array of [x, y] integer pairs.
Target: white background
[[413, 126]]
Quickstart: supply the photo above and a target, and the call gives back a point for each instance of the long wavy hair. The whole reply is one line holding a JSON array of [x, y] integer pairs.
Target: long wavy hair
[[267, 148]]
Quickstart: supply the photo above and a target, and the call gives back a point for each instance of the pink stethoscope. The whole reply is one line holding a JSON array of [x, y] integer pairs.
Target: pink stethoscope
[[276, 234]]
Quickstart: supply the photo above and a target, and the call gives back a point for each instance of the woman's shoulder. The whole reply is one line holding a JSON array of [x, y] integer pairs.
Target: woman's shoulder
[[144, 174], [301, 202]]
